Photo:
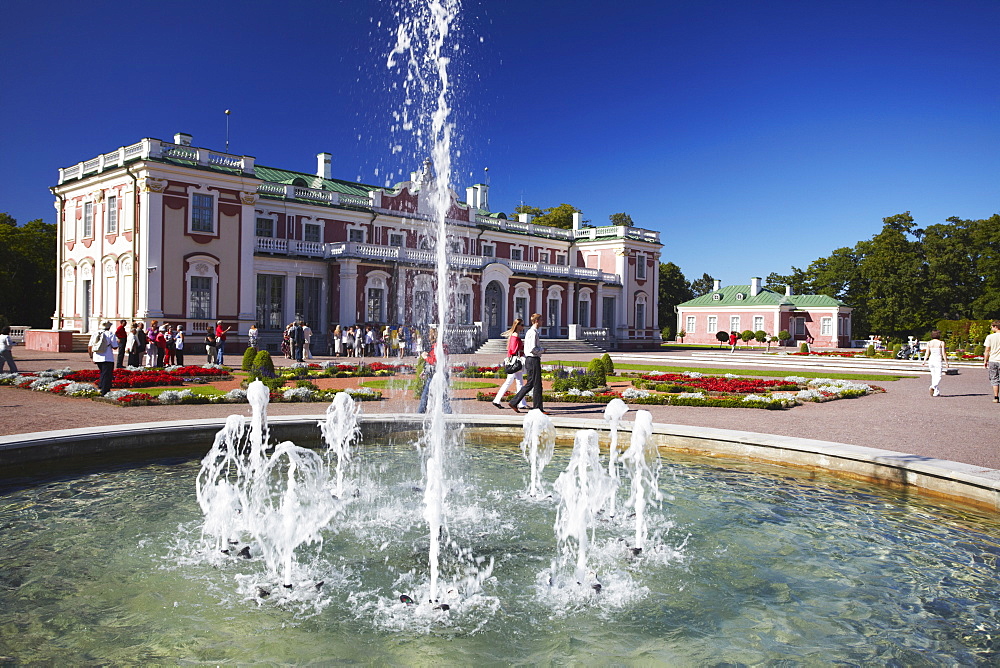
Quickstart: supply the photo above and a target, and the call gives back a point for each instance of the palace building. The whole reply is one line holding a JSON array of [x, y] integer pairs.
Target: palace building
[[187, 235]]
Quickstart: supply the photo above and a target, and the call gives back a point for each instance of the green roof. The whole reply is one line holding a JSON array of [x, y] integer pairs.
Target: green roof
[[739, 295], [312, 181]]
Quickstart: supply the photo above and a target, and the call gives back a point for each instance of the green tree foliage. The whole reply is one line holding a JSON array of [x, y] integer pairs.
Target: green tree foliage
[[673, 289], [702, 286], [896, 276], [621, 219], [555, 216], [27, 272], [798, 279]]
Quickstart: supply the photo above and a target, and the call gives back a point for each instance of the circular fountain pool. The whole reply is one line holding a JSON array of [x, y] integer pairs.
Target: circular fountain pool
[[744, 564]]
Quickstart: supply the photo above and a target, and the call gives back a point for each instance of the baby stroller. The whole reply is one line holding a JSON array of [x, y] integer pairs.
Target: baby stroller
[[909, 351]]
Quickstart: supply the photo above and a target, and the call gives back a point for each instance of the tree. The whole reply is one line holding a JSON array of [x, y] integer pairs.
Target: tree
[[985, 235], [702, 286], [621, 219], [798, 279], [524, 208], [27, 271], [895, 271], [673, 290], [557, 216]]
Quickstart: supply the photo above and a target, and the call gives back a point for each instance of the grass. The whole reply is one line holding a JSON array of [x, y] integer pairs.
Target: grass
[[198, 390], [768, 373], [408, 384]]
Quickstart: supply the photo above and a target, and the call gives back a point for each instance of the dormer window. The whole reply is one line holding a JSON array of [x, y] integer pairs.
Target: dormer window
[[717, 297], [740, 296]]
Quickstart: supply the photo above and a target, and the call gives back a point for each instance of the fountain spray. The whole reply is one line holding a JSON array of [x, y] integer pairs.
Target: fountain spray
[[537, 446], [613, 413], [642, 459]]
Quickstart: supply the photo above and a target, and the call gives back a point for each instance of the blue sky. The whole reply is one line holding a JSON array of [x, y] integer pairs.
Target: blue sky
[[752, 135]]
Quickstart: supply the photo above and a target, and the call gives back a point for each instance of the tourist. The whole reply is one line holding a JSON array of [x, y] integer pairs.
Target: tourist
[[151, 332], [733, 338], [132, 346], [347, 342], [122, 335], [286, 341], [168, 337], [385, 342], [935, 357], [533, 366], [297, 338], [307, 335], [515, 350], [220, 342], [210, 345], [336, 341], [141, 343], [179, 346], [253, 334], [359, 341], [102, 346], [6, 356], [406, 346], [160, 341], [991, 358]]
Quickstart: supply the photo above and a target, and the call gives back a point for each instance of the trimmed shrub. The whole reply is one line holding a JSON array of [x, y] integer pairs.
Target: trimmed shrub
[[722, 337], [263, 366], [307, 384], [870, 351], [248, 358], [784, 335], [803, 347], [609, 366], [595, 369], [747, 336], [760, 335]]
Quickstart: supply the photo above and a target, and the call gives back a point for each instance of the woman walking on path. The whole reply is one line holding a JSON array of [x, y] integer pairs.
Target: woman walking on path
[[533, 366], [936, 360], [6, 343], [515, 348]]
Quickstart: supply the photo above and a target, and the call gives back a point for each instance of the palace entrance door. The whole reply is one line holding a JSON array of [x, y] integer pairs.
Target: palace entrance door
[[494, 310]]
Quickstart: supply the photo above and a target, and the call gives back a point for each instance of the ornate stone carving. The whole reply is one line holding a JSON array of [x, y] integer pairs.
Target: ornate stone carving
[[69, 273], [87, 272], [248, 198], [126, 265], [98, 196], [151, 185], [202, 269]]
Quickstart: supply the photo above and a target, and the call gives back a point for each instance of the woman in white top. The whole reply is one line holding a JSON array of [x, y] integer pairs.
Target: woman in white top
[[6, 343], [515, 348], [936, 359]]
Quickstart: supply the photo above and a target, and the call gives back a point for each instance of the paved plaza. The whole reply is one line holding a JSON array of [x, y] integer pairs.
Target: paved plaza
[[961, 425]]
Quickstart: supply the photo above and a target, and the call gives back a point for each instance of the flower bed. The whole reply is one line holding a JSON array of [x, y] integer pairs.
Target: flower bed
[[728, 384], [236, 396]]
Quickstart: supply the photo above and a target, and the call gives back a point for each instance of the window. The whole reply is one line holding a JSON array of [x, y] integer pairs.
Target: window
[[826, 327], [488, 250], [421, 307], [201, 297], [515, 253], [203, 213], [561, 260], [376, 304], [307, 291], [713, 324], [640, 315], [734, 323], [310, 233], [357, 235], [521, 308], [758, 323], [717, 297], [455, 247], [739, 296], [270, 295], [88, 219], [112, 226], [396, 240], [265, 228], [640, 266], [584, 316], [608, 313], [553, 313], [689, 324], [543, 257]]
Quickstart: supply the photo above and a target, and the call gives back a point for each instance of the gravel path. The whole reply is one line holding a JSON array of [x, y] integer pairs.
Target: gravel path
[[961, 425]]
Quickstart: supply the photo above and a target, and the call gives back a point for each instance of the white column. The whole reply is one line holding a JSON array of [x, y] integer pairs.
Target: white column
[[247, 294], [289, 299], [571, 306], [599, 317], [348, 292], [149, 265], [539, 299]]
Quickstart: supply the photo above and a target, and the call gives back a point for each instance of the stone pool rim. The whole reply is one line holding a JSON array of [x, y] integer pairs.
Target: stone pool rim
[[964, 483]]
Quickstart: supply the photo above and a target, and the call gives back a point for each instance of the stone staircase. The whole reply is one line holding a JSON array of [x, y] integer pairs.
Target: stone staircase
[[498, 348], [80, 342]]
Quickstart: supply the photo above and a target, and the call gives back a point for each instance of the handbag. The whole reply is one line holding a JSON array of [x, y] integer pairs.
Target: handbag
[[512, 364]]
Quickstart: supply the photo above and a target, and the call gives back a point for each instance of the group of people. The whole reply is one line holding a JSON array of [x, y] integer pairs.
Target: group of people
[[373, 341], [295, 341], [527, 350]]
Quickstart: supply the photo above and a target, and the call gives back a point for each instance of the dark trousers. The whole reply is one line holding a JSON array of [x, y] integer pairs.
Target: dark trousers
[[179, 357], [532, 382], [107, 370], [121, 353]]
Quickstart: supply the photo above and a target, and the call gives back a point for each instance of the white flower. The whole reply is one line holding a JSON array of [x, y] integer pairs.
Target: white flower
[[298, 394], [175, 396], [692, 374], [362, 392], [236, 396], [299, 365], [690, 395], [118, 394], [633, 393], [729, 375], [795, 379], [81, 390]]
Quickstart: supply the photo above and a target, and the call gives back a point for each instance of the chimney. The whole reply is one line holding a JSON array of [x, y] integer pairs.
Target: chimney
[[788, 291], [524, 217], [323, 164], [483, 201], [577, 220], [754, 286], [182, 138], [718, 285]]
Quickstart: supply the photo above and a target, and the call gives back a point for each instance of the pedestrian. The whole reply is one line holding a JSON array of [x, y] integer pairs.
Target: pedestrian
[[515, 351], [286, 341], [307, 335], [122, 335], [151, 331], [101, 347], [336, 341], [161, 345], [359, 341], [220, 342], [253, 334], [991, 358], [298, 340], [168, 355], [347, 340], [179, 346], [532, 366], [935, 358], [132, 345], [141, 343], [733, 338], [210, 345], [6, 356]]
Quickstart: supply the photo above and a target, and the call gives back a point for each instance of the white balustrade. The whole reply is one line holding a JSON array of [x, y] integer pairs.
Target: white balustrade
[[272, 245], [270, 188], [133, 150]]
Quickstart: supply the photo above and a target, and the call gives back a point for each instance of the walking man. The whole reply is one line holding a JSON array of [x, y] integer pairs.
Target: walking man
[[991, 359], [532, 367], [102, 346], [122, 335]]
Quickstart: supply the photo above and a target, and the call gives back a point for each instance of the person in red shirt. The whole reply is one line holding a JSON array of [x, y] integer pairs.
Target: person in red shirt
[[733, 338], [220, 342], [122, 335]]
